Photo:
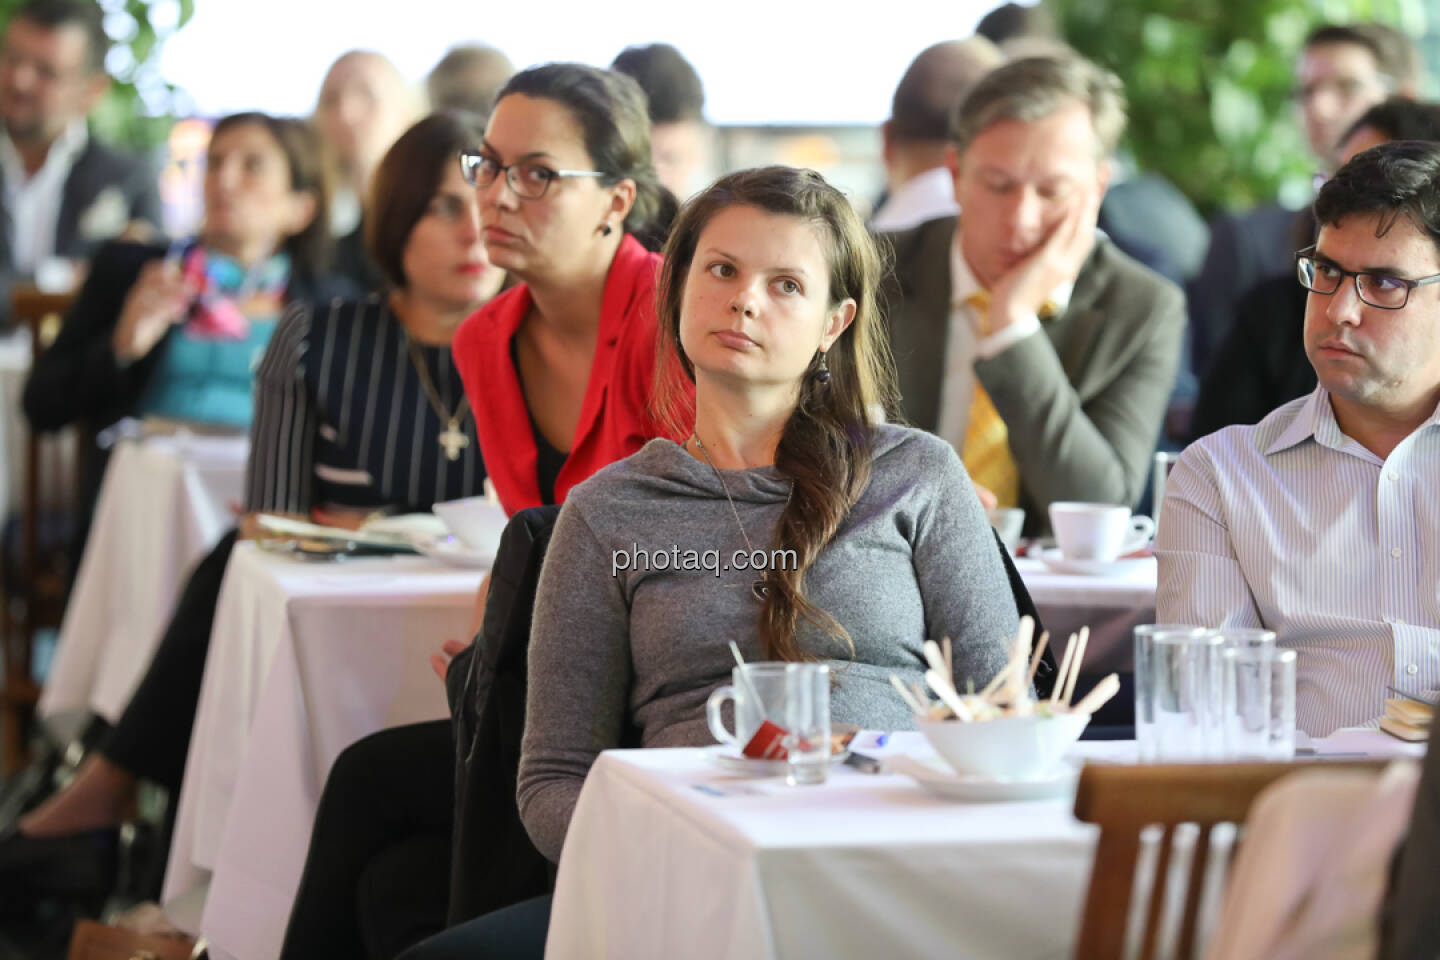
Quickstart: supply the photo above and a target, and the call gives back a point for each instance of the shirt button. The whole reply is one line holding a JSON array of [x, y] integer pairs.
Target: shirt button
[[1399, 622], [1395, 552], [1412, 669], [1394, 476]]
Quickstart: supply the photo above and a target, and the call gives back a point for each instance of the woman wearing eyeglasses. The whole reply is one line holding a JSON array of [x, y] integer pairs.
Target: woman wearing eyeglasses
[[559, 368], [558, 371]]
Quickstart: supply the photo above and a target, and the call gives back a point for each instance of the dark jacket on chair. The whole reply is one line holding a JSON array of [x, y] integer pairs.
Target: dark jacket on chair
[[493, 863]]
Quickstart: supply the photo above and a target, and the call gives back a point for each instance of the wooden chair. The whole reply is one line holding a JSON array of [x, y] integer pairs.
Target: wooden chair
[[34, 584], [1123, 800], [96, 941]]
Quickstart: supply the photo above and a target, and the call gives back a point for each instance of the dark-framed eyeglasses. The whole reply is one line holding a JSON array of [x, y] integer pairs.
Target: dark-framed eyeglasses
[[528, 179], [1376, 289]]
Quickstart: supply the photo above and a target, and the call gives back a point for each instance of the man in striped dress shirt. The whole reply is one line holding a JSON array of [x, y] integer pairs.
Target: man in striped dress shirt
[[1322, 522]]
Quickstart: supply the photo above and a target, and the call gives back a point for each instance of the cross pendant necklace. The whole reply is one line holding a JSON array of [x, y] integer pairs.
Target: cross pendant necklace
[[452, 438]]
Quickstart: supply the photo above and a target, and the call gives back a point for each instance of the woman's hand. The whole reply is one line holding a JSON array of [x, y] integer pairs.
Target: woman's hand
[[449, 650], [158, 300]]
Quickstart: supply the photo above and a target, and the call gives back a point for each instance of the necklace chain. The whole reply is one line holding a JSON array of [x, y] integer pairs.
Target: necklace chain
[[760, 587], [452, 438], [431, 394]]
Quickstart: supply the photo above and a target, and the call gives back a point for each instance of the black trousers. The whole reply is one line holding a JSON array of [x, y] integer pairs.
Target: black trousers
[[515, 933], [377, 875], [152, 736]]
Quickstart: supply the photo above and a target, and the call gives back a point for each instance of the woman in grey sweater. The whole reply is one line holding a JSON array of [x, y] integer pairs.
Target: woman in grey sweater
[[870, 536]]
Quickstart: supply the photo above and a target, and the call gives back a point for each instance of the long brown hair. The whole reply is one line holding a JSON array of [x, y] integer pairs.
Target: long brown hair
[[826, 445]]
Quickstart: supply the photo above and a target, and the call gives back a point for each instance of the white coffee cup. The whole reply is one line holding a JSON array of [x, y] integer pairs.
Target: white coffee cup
[[1098, 531]]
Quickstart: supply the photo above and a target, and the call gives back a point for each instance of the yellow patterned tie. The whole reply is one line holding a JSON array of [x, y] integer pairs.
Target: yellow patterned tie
[[987, 441]]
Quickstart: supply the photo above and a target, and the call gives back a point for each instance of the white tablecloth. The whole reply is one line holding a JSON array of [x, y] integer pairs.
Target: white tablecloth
[[863, 866], [668, 855], [164, 503], [14, 368], [304, 660], [1110, 606]]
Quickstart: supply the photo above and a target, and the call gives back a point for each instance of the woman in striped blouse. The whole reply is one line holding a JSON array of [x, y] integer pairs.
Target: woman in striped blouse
[[359, 408]]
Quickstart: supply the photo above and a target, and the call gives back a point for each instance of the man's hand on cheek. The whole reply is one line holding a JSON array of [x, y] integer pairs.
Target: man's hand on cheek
[[1025, 287]]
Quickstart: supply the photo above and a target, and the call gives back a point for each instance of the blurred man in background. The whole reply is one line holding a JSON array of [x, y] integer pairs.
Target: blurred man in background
[[919, 185], [681, 142], [1028, 340], [468, 78], [64, 191]]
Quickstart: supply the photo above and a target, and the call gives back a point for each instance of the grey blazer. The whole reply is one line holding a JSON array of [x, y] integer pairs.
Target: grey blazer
[[105, 190], [1084, 403]]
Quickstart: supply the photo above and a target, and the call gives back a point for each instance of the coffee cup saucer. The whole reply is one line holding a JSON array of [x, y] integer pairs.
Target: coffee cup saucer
[[1056, 560]]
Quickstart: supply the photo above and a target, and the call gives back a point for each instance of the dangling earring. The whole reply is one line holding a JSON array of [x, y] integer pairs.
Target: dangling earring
[[605, 230], [822, 373]]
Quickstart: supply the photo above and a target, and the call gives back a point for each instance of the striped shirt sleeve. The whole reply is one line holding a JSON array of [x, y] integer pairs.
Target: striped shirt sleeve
[[1201, 581], [280, 474]]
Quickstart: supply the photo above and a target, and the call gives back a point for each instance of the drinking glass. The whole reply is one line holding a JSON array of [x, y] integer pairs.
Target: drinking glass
[[1248, 687], [1282, 705], [807, 723], [758, 690], [1247, 638], [1178, 702]]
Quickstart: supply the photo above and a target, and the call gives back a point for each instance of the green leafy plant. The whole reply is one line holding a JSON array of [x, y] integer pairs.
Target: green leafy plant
[[141, 105], [1210, 85]]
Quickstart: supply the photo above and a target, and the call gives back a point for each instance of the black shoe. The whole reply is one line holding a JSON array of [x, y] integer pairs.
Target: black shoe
[[77, 867]]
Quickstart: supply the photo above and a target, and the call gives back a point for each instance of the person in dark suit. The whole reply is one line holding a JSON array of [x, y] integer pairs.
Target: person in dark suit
[[1062, 408], [62, 192], [1262, 364]]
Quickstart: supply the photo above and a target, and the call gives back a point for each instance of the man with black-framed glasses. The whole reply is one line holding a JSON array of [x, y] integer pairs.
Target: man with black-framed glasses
[[1322, 522]]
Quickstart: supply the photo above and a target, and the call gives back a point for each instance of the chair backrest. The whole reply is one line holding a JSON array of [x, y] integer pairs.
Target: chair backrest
[[34, 589], [1123, 801], [1025, 606]]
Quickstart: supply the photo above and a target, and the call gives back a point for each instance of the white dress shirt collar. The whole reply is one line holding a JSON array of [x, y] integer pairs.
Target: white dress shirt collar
[[1317, 419], [925, 196]]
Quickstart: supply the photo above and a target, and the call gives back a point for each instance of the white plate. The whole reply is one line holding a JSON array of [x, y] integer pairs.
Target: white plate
[[730, 758], [450, 551], [944, 782], [1057, 562]]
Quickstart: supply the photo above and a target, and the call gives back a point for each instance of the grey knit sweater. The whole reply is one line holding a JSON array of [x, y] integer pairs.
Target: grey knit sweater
[[914, 560]]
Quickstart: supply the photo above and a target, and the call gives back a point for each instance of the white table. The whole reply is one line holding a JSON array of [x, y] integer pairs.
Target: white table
[[164, 503], [304, 660], [14, 368], [862, 866], [1111, 606]]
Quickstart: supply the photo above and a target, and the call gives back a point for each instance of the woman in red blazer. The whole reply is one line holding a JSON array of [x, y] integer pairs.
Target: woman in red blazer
[[559, 369]]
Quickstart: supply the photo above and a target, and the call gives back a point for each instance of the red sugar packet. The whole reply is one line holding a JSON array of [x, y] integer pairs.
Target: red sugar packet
[[767, 743]]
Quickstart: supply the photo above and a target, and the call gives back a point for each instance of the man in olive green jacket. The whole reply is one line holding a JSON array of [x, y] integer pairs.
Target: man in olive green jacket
[[1021, 301]]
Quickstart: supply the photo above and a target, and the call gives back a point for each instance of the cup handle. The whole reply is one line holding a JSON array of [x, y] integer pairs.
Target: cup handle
[[1142, 531], [712, 715]]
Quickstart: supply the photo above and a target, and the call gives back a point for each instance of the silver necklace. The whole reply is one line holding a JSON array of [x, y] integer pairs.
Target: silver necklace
[[759, 588]]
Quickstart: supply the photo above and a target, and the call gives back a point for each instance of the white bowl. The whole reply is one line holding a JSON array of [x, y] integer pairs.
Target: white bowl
[[1006, 748], [474, 521]]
